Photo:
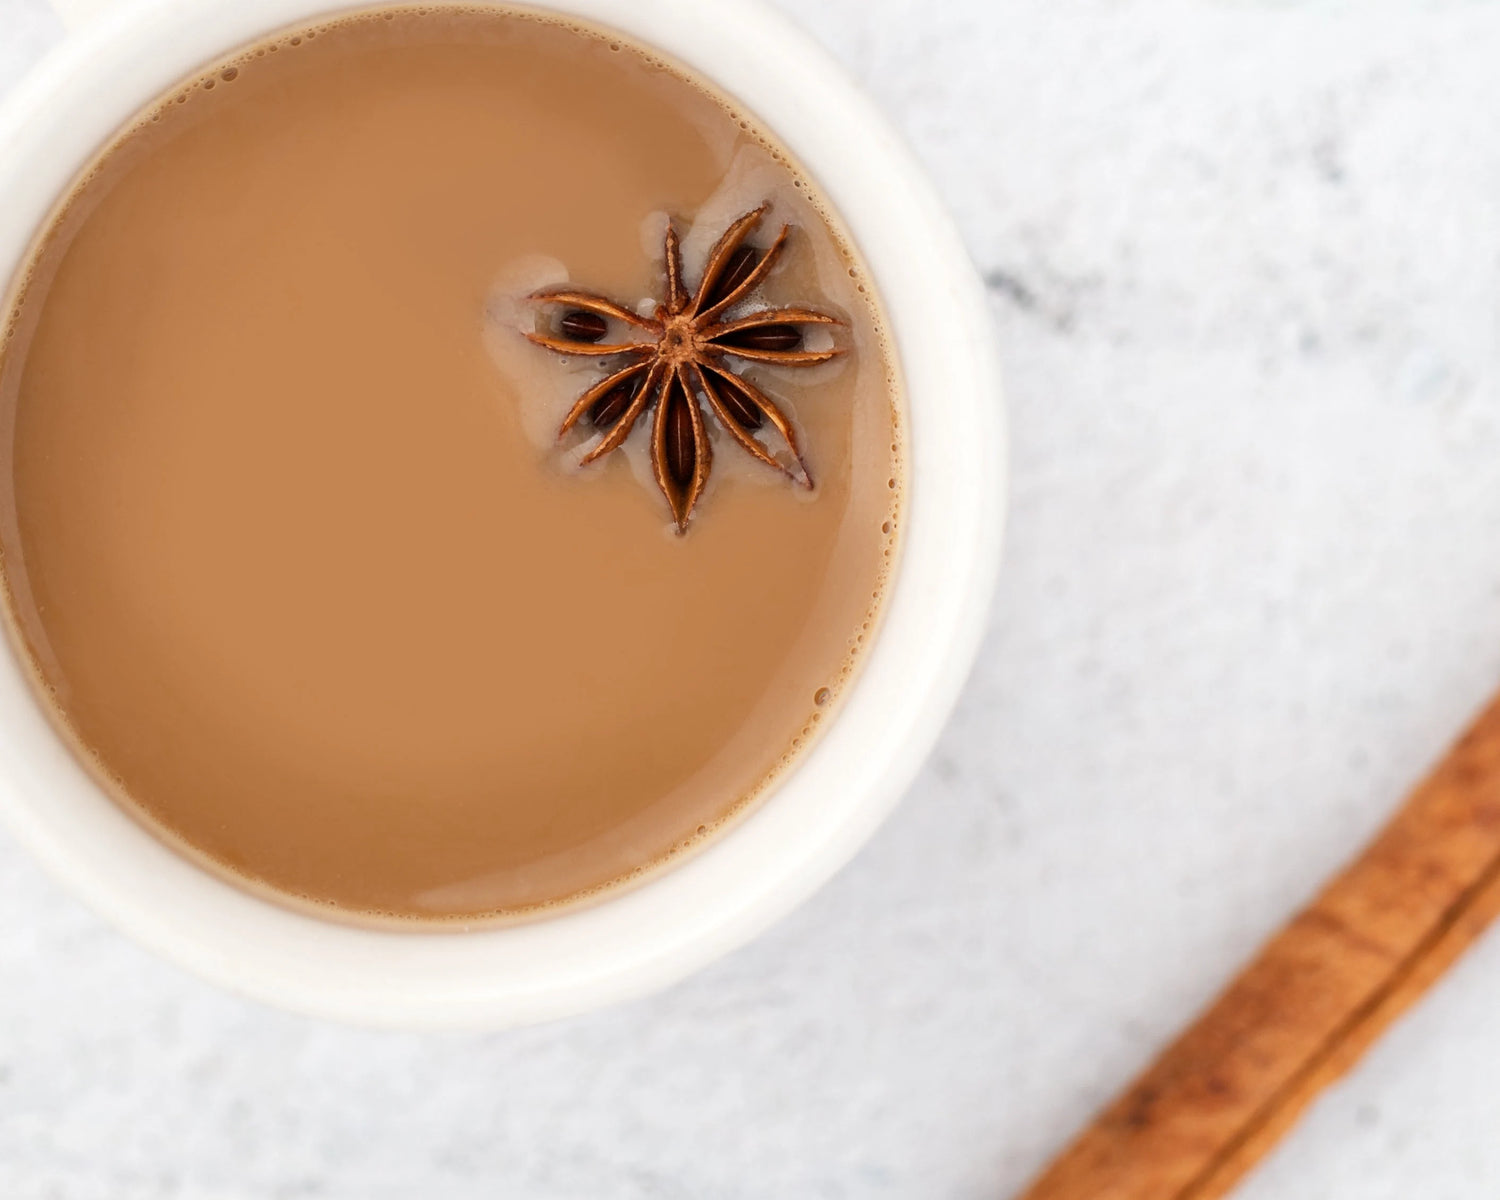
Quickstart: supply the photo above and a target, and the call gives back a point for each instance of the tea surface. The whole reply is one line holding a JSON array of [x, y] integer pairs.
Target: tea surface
[[289, 538]]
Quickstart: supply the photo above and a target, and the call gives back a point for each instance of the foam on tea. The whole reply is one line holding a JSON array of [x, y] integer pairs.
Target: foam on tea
[[291, 543]]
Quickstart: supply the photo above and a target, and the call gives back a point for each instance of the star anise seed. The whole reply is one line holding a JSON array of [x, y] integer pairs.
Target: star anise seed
[[745, 414], [770, 337], [682, 362], [739, 266], [681, 451], [582, 326], [611, 406]]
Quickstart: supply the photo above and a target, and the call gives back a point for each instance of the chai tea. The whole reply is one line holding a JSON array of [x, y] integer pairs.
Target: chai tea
[[451, 464]]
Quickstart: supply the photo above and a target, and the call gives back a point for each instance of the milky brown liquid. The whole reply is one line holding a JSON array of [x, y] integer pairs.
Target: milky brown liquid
[[288, 537]]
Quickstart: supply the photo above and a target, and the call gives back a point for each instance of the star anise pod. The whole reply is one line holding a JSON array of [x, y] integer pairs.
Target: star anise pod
[[685, 359]]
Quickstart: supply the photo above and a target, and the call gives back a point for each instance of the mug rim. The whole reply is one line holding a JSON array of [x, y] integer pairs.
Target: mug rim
[[813, 819]]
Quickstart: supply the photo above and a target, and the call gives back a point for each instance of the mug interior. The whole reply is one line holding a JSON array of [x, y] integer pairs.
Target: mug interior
[[844, 784]]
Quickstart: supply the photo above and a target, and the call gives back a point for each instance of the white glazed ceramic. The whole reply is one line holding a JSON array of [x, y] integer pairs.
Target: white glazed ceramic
[[119, 57]]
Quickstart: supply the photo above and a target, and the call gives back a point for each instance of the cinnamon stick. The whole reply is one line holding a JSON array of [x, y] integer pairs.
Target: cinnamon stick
[[1310, 1003]]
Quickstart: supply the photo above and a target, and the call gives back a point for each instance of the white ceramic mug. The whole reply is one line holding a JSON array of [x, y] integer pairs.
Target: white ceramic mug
[[120, 55]]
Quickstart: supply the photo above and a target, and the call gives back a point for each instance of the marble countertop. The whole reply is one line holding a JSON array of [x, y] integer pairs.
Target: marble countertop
[[1243, 263]]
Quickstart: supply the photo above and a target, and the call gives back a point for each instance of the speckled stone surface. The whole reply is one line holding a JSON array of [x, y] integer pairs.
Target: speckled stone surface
[[1245, 265]]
